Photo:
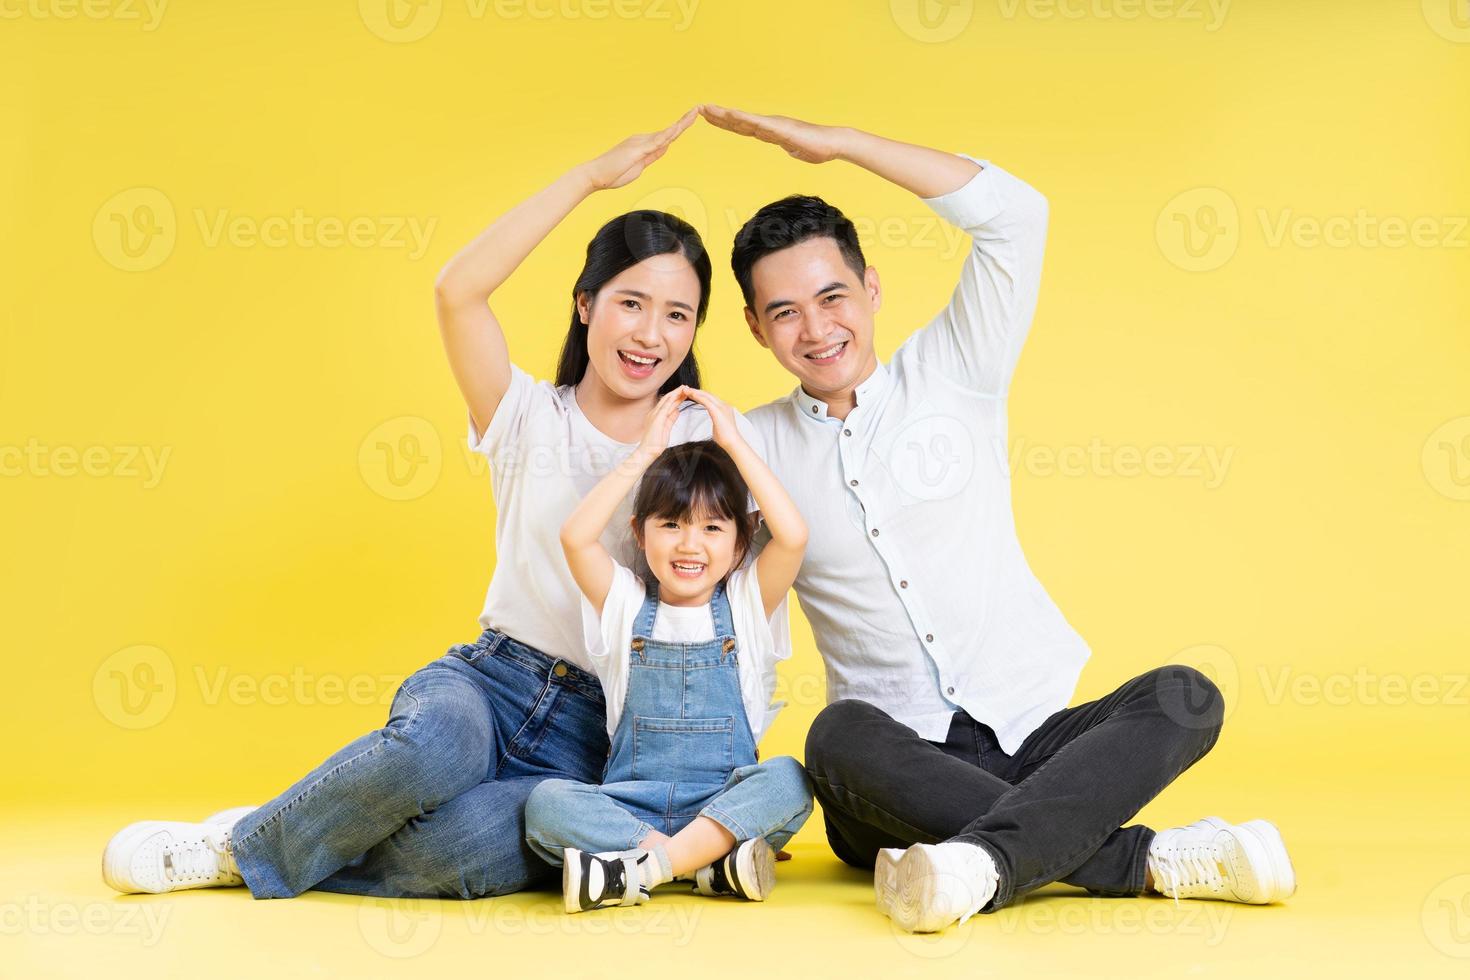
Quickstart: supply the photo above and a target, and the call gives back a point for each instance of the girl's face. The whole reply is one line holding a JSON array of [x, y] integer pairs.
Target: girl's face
[[640, 325], [689, 556]]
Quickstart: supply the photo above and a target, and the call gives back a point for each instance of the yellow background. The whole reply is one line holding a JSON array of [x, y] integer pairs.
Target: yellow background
[[271, 554]]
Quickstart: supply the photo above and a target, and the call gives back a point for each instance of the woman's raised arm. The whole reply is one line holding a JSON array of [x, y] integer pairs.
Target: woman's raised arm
[[476, 346]]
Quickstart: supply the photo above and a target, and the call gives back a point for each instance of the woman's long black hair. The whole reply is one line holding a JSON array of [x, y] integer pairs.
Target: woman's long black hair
[[619, 245]]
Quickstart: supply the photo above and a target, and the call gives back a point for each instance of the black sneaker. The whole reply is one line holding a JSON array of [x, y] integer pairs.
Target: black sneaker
[[595, 881], [748, 871]]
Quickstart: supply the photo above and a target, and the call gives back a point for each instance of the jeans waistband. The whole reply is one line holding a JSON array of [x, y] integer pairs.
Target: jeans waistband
[[554, 669]]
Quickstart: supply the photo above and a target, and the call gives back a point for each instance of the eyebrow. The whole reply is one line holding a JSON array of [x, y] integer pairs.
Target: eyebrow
[[645, 296], [773, 304]]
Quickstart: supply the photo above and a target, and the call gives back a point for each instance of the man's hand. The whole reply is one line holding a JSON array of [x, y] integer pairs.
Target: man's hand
[[803, 140]]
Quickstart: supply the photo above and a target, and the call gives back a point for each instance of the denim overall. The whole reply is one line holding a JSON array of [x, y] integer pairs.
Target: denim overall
[[683, 727], [683, 748]]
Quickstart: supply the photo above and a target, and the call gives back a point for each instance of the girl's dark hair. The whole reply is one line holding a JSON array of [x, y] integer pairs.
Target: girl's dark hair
[[618, 246], [696, 478]]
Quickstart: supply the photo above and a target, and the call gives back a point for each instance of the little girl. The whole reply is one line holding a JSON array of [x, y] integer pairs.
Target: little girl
[[687, 663]]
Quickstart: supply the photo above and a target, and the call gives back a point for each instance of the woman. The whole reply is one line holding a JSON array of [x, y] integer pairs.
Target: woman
[[431, 804]]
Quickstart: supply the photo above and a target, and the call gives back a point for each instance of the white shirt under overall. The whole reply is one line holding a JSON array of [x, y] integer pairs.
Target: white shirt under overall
[[914, 581], [762, 641]]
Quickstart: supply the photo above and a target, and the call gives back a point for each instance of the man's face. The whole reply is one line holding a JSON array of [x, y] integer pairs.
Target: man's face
[[816, 315]]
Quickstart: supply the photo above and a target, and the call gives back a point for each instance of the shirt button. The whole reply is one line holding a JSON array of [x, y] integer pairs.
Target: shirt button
[[852, 483], [903, 583], [875, 532], [949, 690], [814, 410], [928, 637], [847, 432]]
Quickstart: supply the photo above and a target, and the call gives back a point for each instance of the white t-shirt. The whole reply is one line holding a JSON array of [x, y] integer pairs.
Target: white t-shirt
[[761, 643], [545, 455]]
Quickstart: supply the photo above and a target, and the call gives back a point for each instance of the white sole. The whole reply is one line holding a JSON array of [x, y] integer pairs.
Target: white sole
[[918, 882], [571, 879], [885, 877], [1267, 849], [758, 868]]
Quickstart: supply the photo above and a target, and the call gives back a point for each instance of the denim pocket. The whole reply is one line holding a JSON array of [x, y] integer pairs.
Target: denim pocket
[[695, 750]]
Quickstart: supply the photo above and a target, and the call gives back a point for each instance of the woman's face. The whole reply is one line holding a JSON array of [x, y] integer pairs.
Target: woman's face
[[640, 325]]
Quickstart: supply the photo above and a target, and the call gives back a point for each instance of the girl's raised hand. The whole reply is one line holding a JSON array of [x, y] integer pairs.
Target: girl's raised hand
[[660, 423], [721, 416], [624, 162]]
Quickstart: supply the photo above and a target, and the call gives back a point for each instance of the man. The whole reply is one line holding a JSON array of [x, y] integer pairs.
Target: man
[[947, 759]]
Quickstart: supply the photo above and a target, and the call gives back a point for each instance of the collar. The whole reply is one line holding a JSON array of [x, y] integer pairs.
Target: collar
[[866, 394]]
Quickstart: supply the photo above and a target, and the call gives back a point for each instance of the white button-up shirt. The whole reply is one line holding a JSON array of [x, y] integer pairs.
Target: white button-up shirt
[[914, 581]]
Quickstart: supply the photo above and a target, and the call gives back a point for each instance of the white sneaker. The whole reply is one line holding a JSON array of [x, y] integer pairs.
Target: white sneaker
[[748, 871], [230, 817], [166, 856], [930, 886], [1230, 862]]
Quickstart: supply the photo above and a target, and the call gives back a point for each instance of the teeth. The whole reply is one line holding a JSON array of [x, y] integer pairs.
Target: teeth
[[828, 352], [688, 567], [639, 360]]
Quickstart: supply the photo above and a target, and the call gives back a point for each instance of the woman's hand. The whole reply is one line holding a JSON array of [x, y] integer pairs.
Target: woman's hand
[[721, 417], [805, 141], [660, 423], [624, 162]]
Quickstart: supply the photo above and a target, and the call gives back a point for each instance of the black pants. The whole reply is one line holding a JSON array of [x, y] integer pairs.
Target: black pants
[[1052, 812]]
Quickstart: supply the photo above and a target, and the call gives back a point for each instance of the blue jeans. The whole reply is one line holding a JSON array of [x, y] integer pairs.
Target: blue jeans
[[432, 803], [771, 799]]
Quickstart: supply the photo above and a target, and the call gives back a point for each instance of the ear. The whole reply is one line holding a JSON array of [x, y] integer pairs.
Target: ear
[[584, 308], [874, 288], [637, 530], [755, 328]]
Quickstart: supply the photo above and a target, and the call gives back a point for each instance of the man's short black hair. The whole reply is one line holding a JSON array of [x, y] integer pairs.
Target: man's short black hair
[[787, 222]]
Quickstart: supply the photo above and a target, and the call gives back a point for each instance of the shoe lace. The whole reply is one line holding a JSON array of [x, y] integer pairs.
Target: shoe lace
[[206, 856], [1187, 867]]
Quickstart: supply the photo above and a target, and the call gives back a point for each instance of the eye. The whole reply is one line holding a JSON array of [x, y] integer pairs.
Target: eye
[[783, 313], [631, 304], [713, 528], [670, 525], [678, 315], [831, 296]]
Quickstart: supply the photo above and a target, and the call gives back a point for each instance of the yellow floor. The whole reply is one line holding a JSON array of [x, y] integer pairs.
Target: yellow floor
[[1359, 911]]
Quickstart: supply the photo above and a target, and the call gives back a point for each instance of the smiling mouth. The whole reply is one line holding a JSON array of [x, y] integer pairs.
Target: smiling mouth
[[828, 354], [688, 569]]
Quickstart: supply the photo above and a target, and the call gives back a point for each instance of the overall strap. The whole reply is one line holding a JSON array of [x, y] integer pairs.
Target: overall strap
[[719, 605], [643, 624]]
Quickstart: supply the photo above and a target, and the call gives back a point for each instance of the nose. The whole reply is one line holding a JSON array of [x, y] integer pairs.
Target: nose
[[689, 541], [814, 327], [645, 330]]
